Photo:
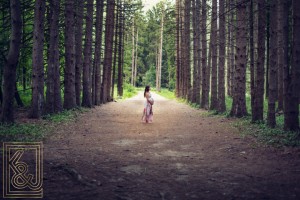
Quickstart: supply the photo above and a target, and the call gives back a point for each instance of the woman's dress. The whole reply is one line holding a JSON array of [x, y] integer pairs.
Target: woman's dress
[[148, 113]]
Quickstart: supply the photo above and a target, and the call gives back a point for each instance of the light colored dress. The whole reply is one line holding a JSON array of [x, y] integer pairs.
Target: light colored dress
[[148, 113]]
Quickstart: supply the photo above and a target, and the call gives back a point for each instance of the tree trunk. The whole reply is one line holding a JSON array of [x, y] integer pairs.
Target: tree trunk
[[271, 118], [228, 71], [178, 49], [239, 101], [205, 67], [214, 61], [78, 49], [37, 105], [280, 52], [87, 52], [69, 82], [259, 72], [109, 34], [232, 50], [160, 51], [196, 51], [117, 30], [98, 46], [268, 49], [136, 58], [186, 50], [120, 50], [291, 78], [132, 55], [221, 73], [53, 95], [11, 62]]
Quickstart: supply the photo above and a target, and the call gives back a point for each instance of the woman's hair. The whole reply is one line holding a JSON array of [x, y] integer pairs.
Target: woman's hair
[[147, 88]]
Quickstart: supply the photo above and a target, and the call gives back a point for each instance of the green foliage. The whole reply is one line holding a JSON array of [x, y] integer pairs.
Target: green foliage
[[128, 91], [150, 77], [37, 130], [66, 115], [264, 134], [22, 132], [166, 93], [25, 96]]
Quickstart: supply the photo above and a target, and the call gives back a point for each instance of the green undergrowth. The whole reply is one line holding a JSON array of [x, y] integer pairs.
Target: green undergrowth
[[264, 134], [36, 130], [271, 136], [165, 93], [128, 92]]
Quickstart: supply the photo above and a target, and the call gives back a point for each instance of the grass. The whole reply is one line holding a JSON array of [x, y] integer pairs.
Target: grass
[[22, 132], [165, 93], [128, 91], [37, 130], [275, 137]]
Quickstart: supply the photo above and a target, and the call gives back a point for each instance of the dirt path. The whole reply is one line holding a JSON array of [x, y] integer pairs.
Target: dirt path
[[109, 154]]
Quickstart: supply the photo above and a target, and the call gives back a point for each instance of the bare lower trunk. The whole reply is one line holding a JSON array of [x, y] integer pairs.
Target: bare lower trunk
[[11, 62], [87, 62], [239, 101], [221, 68], [37, 104], [53, 95], [69, 82], [109, 33], [271, 119], [78, 49]]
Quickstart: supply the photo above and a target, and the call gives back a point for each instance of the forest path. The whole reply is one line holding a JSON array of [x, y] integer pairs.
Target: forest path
[[108, 153]]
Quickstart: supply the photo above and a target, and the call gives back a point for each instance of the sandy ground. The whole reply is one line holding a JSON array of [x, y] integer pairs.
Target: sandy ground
[[108, 153]]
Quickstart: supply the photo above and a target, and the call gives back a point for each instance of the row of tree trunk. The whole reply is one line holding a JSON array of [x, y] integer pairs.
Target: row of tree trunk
[[258, 36], [83, 65]]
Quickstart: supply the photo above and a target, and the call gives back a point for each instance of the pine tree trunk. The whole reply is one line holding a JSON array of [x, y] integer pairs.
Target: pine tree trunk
[[280, 52], [196, 51], [221, 68], [187, 48], [228, 71], [259, 72], [136, 58], [132, 55], [160, 51], [37, 105], [232, 51], [109, 34], [117, 30], [178, 56], [291, 78], [78, 49], [98, 47], [205, 67], [87, 52], [214, 60], [69, 82], [53, 95], [120, 47], [271, 119], [239, 101], [11, 62]]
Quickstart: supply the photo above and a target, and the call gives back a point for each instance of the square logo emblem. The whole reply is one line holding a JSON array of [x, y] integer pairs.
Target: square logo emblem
[[22, 170]]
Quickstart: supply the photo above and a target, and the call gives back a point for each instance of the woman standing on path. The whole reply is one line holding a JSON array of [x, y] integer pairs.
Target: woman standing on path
[[149, 101]]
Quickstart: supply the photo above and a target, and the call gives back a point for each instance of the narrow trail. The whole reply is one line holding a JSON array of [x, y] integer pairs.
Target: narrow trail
[[108, 153]]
